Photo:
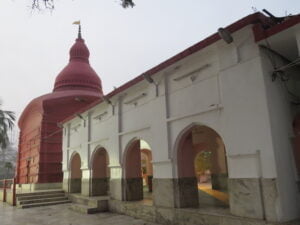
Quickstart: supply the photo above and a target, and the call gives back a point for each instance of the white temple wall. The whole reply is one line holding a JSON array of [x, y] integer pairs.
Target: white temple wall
[[228, 97], [281, 119], [223, 86]]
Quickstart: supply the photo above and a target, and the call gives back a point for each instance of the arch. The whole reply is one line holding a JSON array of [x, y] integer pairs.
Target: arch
[[129, 144], [76, 173], [93, 153], [182, 134], [100, 172], [194, 144], [71, 158], [135, 179], [97, 148], [125, 154]]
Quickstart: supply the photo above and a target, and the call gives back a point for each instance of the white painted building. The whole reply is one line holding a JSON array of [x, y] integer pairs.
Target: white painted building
[[220, 95]]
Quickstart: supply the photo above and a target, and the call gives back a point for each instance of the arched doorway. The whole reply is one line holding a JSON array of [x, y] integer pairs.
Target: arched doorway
[[100, 173], [76, 174], [202, 168], [138, 172]]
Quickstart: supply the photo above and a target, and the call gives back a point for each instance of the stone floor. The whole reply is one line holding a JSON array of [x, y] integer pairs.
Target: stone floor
[[61, 215]]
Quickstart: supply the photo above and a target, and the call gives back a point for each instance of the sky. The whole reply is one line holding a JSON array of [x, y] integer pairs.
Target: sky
[[123, 43]]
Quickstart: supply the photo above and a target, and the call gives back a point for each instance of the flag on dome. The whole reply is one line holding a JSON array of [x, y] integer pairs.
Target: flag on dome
[[77, 22]]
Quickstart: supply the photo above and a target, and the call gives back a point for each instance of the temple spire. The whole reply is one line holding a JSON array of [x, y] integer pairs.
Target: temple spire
[[79, 28], [79, 32]]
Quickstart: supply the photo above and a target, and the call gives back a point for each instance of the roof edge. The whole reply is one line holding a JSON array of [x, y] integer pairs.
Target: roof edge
[[247, 20]]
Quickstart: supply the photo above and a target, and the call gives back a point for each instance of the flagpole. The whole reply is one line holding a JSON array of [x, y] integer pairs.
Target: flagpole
[[79, 28], [79, 32]]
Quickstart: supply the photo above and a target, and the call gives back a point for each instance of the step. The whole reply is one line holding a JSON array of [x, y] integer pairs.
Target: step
[[45, 192], [43, 204], [85, 209], [98, 202], [31, 197], [54, 199], [95, 201]]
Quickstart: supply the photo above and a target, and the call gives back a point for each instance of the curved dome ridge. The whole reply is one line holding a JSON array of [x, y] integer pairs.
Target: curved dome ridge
[[79, 50], [78, 74]]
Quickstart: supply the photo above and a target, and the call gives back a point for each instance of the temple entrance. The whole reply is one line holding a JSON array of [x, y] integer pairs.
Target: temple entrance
[[100, 173], [202, 169], [76, 174], [138, 172]]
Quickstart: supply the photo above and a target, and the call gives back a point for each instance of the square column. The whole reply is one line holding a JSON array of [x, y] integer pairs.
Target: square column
[[163, 192], [115, 182], [85, 182], [66, 179]]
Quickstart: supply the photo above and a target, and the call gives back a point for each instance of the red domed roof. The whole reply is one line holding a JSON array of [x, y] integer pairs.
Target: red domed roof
[[78, 74]]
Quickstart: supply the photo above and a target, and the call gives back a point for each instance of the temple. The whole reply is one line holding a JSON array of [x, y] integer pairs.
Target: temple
[[209, 136], [40, 141]]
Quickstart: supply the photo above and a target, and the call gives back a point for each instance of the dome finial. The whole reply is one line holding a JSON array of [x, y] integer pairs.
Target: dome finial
[[79, 28], [79, 32]]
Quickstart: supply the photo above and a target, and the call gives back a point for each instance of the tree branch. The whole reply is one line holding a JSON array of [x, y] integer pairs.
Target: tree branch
[[49, 4]]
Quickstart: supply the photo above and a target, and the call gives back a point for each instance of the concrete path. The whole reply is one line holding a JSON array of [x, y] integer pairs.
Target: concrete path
[[61, 215]]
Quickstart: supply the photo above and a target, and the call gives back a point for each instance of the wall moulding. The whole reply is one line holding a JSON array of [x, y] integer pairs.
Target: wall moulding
[[134, 130], [193, 74], [72, 148], [75, 128], [212, 107], [100, 116], [98, 141], [134, 100]]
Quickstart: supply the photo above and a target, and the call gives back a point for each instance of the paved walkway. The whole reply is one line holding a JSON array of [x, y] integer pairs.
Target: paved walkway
[[61, 215]]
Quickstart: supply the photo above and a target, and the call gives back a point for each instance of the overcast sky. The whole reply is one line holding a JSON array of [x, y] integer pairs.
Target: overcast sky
[[123, 42]]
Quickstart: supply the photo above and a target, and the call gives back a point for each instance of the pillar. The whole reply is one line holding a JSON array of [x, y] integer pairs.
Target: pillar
[[85, 182]]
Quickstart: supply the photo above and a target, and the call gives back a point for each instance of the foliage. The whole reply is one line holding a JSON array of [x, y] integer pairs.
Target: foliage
[[8, 159], [203, 162], [40, 4], [8, 165], [49, 4], [127, 3], [7, 119]]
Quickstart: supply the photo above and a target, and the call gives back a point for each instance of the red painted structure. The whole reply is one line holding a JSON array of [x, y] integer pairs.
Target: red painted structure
[[40, 140]]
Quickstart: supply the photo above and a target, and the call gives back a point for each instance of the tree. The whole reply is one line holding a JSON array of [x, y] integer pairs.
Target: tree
[[203, 162], [8, 157], [7, 119], [8, 166], [7, 152], [49, 4]]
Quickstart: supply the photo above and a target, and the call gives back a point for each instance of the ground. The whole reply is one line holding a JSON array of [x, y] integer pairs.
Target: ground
[[62, 215]]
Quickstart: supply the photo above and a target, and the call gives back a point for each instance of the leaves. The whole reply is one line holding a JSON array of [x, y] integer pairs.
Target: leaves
[[7, 119], [203, 162], [127, 3], [49, 4], [42, 4], [8, 165]]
